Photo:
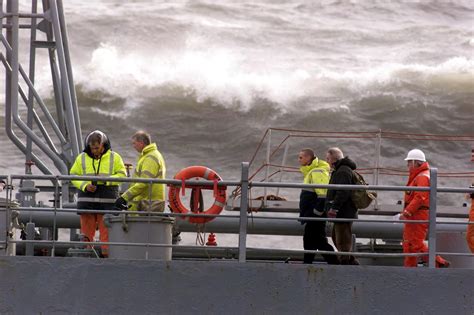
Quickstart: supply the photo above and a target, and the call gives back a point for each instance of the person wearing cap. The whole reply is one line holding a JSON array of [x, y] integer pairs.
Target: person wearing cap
[[416, 207], [470, 227], [150, 165], [312, 200], [97, 159]]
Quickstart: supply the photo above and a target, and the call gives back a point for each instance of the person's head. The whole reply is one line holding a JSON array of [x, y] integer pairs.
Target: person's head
[[333, 155], [305, 157], [140, 140], [415, 158], [95, 141]]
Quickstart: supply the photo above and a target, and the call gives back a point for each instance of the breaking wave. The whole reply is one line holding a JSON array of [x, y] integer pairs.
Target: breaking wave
[[232, 80]]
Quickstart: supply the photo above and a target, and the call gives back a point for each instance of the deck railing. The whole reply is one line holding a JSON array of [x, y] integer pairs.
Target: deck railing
[[244, 184], [276, 140]]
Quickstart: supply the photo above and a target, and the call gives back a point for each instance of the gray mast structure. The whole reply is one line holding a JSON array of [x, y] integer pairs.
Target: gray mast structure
[[47, 132]]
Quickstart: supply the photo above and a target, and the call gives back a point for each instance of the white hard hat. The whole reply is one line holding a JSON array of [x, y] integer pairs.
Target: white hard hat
[[416, 155]]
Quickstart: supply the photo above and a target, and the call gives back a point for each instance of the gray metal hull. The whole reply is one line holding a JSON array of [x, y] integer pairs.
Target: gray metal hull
[[34, 285]]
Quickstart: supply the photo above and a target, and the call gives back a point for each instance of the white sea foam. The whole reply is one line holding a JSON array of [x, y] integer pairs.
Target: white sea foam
[[231, 79]]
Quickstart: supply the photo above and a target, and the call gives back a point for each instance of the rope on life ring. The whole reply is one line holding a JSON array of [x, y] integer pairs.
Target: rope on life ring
[[201, 172]]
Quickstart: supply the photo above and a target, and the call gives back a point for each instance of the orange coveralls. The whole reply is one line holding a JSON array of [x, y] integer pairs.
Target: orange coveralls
[[470, 229], [417, 205]]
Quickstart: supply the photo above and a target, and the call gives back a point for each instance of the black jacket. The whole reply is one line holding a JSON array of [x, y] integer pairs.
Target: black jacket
[[341, 199], [310, 205]]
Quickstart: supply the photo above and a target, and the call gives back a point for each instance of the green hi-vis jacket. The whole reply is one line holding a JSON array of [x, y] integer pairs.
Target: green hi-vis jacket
[[150, 164], [110, 164], [316, 173]]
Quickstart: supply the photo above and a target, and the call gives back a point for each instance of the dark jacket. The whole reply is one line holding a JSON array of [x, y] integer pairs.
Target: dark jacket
[[341, 199], [311, 206]]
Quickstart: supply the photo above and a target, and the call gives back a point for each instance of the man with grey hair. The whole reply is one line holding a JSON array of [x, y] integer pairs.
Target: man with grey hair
[[150, 164], [340, 204]]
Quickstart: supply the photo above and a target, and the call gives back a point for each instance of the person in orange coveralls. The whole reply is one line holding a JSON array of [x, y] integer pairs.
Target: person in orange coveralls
[[416, 207], [470, 227]]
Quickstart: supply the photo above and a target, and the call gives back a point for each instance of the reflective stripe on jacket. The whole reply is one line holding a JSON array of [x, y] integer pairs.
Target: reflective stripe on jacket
[[110, 164], [418, 200], [150, 164], [316, 173]]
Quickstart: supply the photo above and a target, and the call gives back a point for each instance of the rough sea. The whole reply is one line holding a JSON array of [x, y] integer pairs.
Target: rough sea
[[207, 78]]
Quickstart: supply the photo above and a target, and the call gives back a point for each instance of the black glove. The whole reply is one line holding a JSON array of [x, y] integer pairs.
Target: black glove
[[120, 204]]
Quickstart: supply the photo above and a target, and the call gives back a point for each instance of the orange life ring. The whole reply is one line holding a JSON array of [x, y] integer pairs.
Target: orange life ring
[[201, 172]]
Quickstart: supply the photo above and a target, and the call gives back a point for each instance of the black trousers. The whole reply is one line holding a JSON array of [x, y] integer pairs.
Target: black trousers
[[314, 237]]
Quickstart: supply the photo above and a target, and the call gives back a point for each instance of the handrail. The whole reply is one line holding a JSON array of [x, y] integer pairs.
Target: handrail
[[375, 132], [245, 185], [329, 134], [369, 170], [191, 182], [376, 135]]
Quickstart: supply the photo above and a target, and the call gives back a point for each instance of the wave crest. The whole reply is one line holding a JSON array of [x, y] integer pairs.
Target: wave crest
[[230, 79]]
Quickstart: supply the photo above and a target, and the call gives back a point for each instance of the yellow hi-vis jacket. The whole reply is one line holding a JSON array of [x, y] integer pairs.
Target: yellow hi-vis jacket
[[316, 173], [150, 164], [110, 164]]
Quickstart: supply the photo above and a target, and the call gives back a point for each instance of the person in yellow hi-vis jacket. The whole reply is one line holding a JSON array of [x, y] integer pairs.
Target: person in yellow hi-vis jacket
[[150, 164], [312, 201], [97, 159]]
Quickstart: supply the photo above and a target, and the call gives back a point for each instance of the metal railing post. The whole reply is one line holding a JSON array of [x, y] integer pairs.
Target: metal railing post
[[243, 212], [267, 161], [378, 147], [30, 236], [56, 201], [432, 224], [4, 222], [9, 209], [283, 162], [148, 232]]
